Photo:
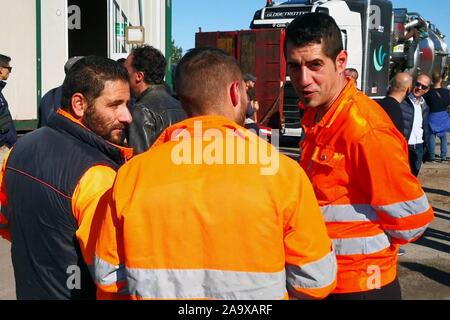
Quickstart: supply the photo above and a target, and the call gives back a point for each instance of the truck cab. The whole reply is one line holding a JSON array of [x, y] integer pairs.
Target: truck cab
[[368, 35]]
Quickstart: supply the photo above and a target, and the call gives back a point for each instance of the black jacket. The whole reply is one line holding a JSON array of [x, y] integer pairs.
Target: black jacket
[[50, 102], [438, 99], [392, 108], [8, 134], [42, 173], [407, 108], [154, 111]]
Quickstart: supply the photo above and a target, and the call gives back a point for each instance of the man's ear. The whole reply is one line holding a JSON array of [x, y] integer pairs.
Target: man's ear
[[235, 93], [341, 61], [79, 105], [140, 77]]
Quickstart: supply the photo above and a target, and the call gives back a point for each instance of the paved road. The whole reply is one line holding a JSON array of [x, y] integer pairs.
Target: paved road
[[7, 288], [424, 270]]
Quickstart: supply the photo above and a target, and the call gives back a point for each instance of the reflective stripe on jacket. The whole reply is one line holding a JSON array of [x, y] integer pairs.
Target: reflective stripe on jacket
[[212, 231], [371, 202]]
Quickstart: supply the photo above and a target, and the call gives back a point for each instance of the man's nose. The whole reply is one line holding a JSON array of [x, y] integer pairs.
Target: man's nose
[[125, 115], [306, 78]]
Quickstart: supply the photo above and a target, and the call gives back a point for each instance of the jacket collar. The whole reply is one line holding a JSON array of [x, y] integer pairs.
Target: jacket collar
[[414, 100], [2, 85], [148, 90], [63, 121], [193, 125], [336, 108]]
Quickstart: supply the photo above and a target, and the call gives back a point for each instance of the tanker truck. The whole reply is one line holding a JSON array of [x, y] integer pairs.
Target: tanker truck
[[371, 30]]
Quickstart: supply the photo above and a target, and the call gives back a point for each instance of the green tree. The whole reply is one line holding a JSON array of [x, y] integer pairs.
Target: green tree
[[177, 53]]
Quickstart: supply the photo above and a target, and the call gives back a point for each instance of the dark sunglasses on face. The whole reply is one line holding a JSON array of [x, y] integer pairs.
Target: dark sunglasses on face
[[421, 86]]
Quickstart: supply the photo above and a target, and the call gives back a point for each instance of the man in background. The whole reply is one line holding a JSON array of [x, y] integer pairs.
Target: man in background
[[415, 113], [51, 101], [155, 109], [401, 86], [438, 99], [352, 73], [8, 134]]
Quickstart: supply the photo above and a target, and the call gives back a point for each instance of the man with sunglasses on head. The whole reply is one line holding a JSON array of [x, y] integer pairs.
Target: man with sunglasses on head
[[415, 120], [8, 135]]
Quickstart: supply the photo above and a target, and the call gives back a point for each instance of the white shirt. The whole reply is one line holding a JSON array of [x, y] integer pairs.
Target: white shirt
[[417, 129]]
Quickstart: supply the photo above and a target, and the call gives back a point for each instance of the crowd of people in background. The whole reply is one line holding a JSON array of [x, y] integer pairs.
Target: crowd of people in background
[[110, 186]]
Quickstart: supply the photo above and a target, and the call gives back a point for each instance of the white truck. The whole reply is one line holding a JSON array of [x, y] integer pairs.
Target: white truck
[[40, 35], [369, 29]]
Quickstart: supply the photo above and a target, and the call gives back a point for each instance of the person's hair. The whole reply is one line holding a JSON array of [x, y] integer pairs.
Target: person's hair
[[315, 28], [4, 60], [88, 76], [353, 71], [151, 62], [121, 61], [436, 77], [202, 78], [423, 75]]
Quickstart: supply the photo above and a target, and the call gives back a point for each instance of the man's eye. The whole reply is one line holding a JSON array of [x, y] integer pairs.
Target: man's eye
[[315, 66]]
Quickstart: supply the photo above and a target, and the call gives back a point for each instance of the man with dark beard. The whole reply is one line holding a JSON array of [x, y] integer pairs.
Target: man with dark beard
[[54, 179]]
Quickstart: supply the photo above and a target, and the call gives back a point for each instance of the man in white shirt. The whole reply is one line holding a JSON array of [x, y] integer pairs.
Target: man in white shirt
[[415, 117]]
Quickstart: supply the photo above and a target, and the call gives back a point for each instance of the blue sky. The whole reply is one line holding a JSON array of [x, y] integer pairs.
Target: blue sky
[[226, 15]]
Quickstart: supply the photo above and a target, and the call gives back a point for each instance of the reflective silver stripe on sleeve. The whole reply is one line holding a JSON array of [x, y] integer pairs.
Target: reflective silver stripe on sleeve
[[406, 209], [349, 213], [206, 284], [366, 245], [314, 275], [407, 235], [106, 274]]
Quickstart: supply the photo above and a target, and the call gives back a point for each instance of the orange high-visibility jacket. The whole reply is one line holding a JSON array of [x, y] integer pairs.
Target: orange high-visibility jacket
[[4, 231], [187, 221], [357, 162]]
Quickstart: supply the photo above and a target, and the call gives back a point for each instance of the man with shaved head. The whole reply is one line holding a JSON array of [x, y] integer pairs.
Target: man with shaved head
[[400, 88]]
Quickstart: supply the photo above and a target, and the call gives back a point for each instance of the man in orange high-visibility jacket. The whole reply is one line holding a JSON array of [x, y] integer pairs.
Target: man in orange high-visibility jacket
[[207, 216], [357, 162]]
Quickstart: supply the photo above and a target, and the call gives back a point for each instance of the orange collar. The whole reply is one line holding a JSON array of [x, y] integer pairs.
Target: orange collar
[[207, 122], [338, 105], [127, 153]]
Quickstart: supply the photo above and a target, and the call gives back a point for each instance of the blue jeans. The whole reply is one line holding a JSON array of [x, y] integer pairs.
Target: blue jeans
[[432, 145]]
